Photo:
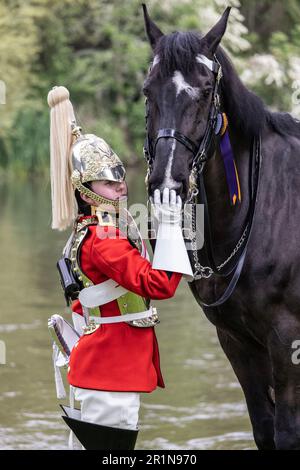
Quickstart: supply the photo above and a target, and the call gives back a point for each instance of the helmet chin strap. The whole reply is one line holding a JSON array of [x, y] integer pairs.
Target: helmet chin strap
[[99, 200], [108, 205]]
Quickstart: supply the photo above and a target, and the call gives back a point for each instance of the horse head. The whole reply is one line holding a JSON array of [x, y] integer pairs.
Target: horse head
[[180, 90]]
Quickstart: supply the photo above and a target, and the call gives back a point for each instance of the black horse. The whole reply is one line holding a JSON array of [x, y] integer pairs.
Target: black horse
[[258, 319]]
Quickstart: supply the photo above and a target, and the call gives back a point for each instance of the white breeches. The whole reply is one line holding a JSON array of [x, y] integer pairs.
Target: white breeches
[[114, 409]]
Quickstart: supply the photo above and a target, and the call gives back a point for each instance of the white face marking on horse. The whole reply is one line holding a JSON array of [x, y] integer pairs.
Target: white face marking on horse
[[168, 181], [182, 85], [155, 61]]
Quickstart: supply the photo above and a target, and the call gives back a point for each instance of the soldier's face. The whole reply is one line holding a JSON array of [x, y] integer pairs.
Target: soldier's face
[[110, 189]]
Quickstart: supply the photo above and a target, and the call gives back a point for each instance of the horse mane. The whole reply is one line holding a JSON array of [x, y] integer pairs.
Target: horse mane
[[246, 112]]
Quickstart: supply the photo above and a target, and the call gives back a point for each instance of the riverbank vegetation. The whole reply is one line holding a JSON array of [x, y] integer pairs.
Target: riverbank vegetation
[[98, 49]]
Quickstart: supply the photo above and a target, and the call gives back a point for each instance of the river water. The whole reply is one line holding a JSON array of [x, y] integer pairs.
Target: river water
[[202, 406]]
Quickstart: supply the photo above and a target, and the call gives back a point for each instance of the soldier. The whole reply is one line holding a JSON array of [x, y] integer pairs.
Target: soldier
[[117, 356]]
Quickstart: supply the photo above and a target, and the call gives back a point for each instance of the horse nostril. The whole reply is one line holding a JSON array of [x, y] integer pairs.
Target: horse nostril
[[179, 190], [152, 188]]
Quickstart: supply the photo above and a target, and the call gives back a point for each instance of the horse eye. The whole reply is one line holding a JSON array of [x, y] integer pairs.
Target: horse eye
[[146, 91], [206, 92]]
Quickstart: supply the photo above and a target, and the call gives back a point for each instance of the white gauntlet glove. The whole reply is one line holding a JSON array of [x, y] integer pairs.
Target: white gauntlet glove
[[170, 252], [168, 211]]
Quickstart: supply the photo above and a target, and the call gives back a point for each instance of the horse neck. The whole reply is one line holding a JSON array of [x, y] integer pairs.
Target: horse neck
[[227, 221]]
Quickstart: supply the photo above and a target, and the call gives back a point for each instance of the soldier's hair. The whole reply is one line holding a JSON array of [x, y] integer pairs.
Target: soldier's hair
[[83, 207]]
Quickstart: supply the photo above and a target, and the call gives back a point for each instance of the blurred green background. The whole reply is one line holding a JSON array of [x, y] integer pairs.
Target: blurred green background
[[98, 49]]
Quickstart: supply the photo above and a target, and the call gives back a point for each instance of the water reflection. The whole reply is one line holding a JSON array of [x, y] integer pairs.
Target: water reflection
[[202, 406]]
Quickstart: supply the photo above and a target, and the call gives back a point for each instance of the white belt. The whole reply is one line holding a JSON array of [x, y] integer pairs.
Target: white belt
[[101, 294], [122, 318]]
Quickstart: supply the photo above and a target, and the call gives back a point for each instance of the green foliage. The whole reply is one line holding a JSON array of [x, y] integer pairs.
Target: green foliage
[[98, 49], [275, 35], [28, 151], [18, 49]]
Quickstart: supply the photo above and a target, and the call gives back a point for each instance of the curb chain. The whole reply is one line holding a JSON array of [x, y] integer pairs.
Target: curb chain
[[206, 271]]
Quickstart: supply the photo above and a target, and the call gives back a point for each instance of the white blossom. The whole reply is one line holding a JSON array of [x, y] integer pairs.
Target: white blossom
[[294, 68], [233, 38], [264, 67]]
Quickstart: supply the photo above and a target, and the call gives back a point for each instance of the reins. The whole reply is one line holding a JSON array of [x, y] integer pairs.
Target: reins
[[236, 269]]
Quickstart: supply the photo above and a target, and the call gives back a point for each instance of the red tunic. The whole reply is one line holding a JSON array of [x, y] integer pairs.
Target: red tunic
[[119, 357]]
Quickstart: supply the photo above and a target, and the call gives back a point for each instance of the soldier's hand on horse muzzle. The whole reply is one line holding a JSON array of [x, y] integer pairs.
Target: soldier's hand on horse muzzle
[[167, 207]]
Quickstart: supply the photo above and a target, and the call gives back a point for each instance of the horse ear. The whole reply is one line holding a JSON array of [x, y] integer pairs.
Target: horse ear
[[213, 38], [153, 32]]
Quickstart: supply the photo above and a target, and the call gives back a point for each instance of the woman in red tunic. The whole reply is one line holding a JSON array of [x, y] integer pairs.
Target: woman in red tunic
[[117, 356]]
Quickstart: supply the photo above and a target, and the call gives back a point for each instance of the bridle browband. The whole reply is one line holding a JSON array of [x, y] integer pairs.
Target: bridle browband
[[201, 154]]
